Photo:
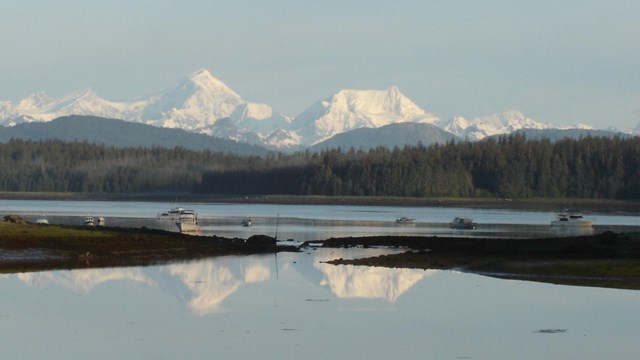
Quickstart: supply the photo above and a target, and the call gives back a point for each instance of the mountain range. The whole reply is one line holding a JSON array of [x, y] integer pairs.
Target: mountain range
[[120, 133], [203, 104]]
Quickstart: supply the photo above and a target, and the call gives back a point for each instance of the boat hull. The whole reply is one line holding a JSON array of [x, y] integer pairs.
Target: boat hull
[[584, 223], [188, 227]]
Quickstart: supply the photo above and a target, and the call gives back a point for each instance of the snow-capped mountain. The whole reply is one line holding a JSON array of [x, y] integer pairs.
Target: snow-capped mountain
[[194, 105], [204, 104], [41, 107], [354, 109], [495, 124]]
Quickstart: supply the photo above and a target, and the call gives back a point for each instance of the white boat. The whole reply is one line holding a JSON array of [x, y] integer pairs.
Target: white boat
[[186, 220], [186, 227], [93, 220], [179, 214], [571, 218], [89, 221], [462, 223], [405, 220], [42, 221], [246, 222]]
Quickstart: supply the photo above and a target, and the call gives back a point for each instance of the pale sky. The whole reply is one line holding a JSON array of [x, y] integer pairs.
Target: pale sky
[[558, 61]]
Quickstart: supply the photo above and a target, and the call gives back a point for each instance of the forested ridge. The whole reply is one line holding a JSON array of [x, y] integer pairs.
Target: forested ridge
[[510, 166]]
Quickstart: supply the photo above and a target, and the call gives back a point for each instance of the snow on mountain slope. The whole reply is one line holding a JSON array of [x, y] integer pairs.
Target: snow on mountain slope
[[194, 105], [204, 104], [495, 124], [353, 109]]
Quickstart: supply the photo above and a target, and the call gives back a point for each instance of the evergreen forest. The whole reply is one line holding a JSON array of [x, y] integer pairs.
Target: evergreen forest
[[508, 167]]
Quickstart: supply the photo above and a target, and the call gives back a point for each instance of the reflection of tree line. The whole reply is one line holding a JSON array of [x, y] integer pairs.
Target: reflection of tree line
[[205, 284]]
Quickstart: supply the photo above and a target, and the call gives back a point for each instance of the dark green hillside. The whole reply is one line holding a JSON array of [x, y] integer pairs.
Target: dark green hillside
[[119, 133], [558, 134], [507, 167], [390, 136]]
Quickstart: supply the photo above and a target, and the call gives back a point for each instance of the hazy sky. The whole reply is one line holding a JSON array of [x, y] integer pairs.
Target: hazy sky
[[562, 62]]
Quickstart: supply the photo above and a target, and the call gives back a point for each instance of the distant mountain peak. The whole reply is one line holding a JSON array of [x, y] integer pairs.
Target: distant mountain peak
[[504, 122], [201, 100], [203, 80], [351, 109]]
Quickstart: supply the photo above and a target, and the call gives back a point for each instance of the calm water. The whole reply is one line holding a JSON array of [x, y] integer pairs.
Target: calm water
[[295, 306], [304, 222], [292, 306]]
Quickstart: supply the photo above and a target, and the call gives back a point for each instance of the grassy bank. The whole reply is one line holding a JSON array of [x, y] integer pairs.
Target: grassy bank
[[29, 247]]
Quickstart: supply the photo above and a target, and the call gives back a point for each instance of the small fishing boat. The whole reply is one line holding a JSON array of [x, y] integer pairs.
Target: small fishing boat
[[246, 222], [89, 221], [462, 223], [571, 218], [405, 220], [93, 220]]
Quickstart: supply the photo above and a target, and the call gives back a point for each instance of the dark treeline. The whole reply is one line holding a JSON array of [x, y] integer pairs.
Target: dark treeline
[[509, 166], [82, 167]]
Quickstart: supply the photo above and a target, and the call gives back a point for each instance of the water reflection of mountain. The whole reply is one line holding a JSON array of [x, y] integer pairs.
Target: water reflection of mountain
[[203, 285], [85, 280], [367, 282], [209, 282], [370, 282]]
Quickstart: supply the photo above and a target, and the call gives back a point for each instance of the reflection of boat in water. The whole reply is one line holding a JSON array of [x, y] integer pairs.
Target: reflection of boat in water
[[246, 222], [42, 220], [571, 218], [462, 223], [405, 220]]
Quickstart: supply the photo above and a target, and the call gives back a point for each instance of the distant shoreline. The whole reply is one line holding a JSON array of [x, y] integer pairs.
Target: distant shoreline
[[547, 204]]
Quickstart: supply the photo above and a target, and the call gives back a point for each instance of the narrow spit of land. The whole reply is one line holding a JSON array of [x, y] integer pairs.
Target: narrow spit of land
[[31, 247], [604, 260]]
